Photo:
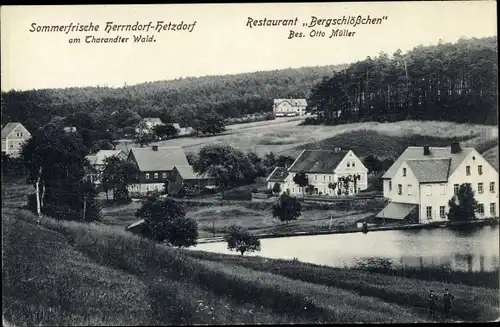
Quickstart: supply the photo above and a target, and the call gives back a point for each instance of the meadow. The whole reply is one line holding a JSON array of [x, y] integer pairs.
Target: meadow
[[285, 136], [255, 216], [67, 273]]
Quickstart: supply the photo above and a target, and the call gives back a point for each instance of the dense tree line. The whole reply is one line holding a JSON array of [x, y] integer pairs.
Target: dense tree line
[[181, 99], [453, 82]]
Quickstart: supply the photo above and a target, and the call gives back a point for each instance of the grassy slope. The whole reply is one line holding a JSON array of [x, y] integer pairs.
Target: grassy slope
[[284, 136], [95, 274]]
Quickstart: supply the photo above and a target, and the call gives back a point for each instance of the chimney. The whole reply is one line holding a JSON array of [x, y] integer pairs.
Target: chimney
[[427, 150], [155, 147], [455, 147]]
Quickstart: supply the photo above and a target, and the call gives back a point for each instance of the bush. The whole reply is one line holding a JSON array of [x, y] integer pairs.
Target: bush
[[238, 194]]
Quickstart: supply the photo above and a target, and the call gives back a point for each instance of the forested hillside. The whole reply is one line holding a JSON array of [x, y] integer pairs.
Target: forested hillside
[[230, 96], [453, 82]]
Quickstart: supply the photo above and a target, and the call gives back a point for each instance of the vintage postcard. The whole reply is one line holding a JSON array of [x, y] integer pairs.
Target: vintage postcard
[[250, 163]]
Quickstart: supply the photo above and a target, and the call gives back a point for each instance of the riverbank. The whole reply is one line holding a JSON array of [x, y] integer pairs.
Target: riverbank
[[69, 273], [475, 223]]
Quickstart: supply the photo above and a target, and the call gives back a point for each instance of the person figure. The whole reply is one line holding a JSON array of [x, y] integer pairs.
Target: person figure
[[447, 298], [431, 299]]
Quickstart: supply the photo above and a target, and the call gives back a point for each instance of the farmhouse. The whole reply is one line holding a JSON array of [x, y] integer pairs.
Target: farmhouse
[[97, 162], [289, 107], [277, 176], [13, 137], [155, 165], [69, 129], [330, 172], [423, 179], [185, 176]]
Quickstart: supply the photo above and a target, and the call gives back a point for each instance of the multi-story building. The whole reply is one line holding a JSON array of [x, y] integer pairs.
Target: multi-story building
[[423, 180], [324, 168], [155, 165], [289, 107], [14, 135]]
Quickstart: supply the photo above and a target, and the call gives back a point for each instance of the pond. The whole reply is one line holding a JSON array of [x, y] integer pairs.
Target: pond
[[460, 249]]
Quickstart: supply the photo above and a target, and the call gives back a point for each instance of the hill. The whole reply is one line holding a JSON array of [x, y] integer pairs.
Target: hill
[[229, 95], [286, 137], [67, 273]]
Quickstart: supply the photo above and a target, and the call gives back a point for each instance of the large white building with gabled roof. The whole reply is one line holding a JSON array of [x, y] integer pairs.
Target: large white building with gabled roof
[[422, 180]]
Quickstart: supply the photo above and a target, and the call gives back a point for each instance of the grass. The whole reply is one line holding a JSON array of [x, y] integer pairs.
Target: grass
[[284, 136], [256, 216], [68, 273]]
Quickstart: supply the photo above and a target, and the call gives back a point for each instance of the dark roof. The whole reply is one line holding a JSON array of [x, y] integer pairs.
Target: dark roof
[[318, 161], [187, 172], [278, 175], [430, 171], [164, 159], [293, 102]]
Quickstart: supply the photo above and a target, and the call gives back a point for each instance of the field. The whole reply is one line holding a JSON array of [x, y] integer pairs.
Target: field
[[284, 136], [256, 216], [67, 273]]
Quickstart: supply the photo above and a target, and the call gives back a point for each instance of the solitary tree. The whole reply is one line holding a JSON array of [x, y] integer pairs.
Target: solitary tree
[[463, 204], [373, 164], [241, 240], [301, 180], [166, 221], [287, 208]]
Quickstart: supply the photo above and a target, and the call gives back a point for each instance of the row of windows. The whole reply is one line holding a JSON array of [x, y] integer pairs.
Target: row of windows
[[330, 178], [351, 164], [325, 190], [156, 175], [442, 188], [480, 210], [479, 170]]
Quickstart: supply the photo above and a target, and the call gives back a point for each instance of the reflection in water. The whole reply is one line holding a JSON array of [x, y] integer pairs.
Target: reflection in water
[[455, 249]]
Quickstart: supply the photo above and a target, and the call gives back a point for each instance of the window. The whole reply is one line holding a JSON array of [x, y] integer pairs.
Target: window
[[390, 185], [11, 145], [324, 191], [164, 175], [400, 189], [354, 163], [455, 188], [443, 189], [480, 170], [480, 208], [428, 189], [442, 211], [315, 177], [404, 172], [409, 189], [429, 212], [348, 164], [493, 210], [324, 177], [293, 189], [492, 187], [480, 189], [329, 178], [467, 170], [156, 175], [147, 175]]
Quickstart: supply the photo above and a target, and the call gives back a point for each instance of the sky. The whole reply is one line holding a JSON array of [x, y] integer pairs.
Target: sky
[[220, 42]]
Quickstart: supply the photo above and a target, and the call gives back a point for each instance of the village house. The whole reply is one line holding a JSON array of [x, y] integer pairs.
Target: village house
[[324, 168], [185, 176], [422, 180], [97, 162], [155, 165], [289, 107], [14, 135], [69, 129]]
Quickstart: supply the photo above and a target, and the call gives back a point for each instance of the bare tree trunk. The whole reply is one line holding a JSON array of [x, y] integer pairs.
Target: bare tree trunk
[[43, 195], [84, 207], [37, 187]]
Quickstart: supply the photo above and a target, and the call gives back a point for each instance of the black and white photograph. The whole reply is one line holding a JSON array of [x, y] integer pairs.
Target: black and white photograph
[[250, 163]]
